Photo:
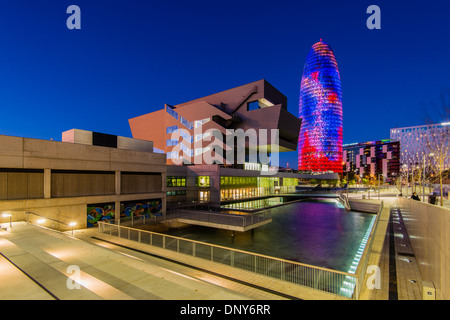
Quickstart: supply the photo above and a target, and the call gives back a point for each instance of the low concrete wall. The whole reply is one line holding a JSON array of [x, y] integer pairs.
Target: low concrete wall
[[428, 229], [65, 210]]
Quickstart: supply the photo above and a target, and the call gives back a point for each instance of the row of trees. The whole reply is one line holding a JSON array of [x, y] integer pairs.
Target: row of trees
[[434, 169], [437, 143]]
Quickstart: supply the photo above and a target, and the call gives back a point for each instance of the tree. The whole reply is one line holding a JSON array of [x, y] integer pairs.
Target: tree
[[438, 136]]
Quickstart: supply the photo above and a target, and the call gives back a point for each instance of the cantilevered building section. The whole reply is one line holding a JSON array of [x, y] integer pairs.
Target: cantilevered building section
[[254, 106], [320, 108]]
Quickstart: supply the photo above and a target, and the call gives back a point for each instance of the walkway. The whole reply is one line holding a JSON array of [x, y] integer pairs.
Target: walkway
[[106, 272], [109, 271], [392, 253]]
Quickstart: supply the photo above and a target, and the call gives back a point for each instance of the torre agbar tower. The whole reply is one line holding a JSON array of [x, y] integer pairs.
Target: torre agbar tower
[[320, 108]]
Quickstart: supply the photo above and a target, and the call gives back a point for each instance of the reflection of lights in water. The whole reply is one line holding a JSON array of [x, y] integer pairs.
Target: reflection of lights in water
[[340, 205], [307, 231], [348, 285]]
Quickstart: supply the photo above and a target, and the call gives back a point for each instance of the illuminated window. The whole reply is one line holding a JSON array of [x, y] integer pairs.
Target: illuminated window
[[203, 195], [202, 181], [176, 181]]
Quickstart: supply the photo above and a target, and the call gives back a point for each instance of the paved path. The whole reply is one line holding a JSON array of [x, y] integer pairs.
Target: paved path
[[392, 252], [109, 271], [44, 257]]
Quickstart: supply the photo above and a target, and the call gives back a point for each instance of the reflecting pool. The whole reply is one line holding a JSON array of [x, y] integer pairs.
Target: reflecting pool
[[320, 233]]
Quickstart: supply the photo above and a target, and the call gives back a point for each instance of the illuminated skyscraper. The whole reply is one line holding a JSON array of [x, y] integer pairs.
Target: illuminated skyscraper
[[320, 108]]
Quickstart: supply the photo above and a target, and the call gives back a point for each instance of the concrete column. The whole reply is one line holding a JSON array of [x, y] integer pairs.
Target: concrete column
[[214, 182], [118, 182], [47, 183], [118, 188], [117, 210], [164, 191]]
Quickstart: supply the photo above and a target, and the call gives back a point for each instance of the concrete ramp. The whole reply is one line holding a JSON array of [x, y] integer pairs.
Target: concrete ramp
[[37, 263], [370, 206]]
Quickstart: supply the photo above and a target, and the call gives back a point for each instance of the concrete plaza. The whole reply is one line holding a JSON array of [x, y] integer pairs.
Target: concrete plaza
[[107, 271]]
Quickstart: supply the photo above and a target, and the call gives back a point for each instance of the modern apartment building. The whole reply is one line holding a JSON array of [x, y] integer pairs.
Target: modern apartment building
[[189, 131], [415, 142], [372, 158]]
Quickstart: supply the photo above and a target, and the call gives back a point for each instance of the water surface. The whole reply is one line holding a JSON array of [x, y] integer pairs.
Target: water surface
[[319, 233]]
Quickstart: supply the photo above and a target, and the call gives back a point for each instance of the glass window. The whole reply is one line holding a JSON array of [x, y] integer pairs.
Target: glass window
[[172, 112], [198, 123], [176, 181], [202, 181], [204, 195], [253, 105], [171, 129], [172, 155], [172, 142], [185, 134], [176, 192], [186, 123]]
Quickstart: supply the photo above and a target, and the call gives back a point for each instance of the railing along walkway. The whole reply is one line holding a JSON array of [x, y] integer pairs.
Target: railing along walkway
[[318, 278], [240, 222]]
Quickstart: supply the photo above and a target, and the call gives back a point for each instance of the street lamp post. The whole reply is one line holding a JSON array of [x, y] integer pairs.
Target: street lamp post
[[72, 224], [423, 179], [407, 178], [343, 163], [8, 215], [379, 184]]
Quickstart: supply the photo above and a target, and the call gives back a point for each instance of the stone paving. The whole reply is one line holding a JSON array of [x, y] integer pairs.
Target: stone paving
[[408, 281], [111, 272], [104, 273]]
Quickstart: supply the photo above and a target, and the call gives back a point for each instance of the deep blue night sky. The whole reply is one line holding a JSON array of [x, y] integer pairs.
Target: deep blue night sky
[[131, 57]]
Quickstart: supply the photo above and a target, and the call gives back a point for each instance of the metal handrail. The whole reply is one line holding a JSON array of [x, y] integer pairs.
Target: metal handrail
[[301, 273], [46, 218], [216, 217], [232, 249], [361, 269]]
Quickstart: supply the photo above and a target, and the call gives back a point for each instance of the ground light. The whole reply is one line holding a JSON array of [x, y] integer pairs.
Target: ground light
[[41, 221], [72, 224]]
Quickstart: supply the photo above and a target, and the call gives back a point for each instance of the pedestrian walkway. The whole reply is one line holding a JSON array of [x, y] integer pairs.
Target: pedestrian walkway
[[35, 263], [392, 252], [47, 259]]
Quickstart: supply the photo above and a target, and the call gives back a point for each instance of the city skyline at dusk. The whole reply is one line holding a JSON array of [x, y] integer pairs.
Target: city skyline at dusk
[[131, 58]]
